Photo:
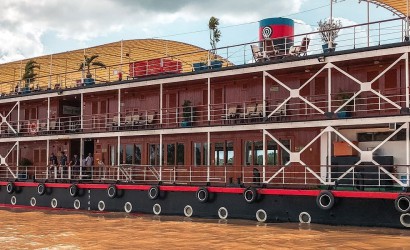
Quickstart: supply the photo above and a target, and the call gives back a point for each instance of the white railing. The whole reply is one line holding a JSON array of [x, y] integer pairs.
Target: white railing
[[359, 177], [350, 37]]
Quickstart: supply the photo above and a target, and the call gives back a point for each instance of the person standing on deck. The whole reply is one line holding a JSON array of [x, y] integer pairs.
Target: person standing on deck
[[75, 165], [63, 163], [53, 163], [89, 163]]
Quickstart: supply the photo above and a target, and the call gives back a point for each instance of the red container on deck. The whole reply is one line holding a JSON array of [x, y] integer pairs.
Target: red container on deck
[[154, 67], [279, 29]]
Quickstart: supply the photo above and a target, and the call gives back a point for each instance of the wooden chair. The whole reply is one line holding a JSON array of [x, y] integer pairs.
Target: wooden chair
[[269, 49], [258, 112], [300, 50], [257, 53]]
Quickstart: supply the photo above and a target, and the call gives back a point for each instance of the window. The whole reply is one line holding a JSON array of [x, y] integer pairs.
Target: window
[[113, 154], [171, 154], [175, 154], [253, 153], [224, 153], [129, 154], [138, 154], [153, 151]]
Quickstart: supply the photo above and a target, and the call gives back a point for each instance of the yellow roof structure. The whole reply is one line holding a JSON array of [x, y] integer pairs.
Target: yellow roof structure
[[63, 68], [398, 7]]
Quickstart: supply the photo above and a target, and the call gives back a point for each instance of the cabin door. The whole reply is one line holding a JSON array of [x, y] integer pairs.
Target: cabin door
[[170, 111]]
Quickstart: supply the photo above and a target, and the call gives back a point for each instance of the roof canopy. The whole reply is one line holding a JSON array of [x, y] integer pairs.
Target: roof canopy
[[398, 7], [63, 68]]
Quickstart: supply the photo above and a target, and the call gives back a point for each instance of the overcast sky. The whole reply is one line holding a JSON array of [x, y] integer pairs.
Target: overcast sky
[[31, 28]]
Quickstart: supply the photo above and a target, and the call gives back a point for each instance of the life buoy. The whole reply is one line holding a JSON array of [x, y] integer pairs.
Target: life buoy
[[153, 192], [10, 187], [73, 190], [41, 189], [112, 191], [250, 194], [325, 200], [402, 204], [32, 127], [202, 194]]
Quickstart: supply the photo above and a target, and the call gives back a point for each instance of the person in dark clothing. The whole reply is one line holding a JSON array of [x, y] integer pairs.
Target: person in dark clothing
[[63, 163], [53, 160], [75, 166]]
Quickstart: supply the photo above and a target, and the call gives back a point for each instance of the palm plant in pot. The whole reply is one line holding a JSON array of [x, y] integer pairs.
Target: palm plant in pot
[[86, 64], [329, 31], [214, 38], [187, 113], [29, 74]]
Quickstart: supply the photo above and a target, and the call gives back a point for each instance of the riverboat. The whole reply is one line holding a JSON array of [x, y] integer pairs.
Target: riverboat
[[276, 130]]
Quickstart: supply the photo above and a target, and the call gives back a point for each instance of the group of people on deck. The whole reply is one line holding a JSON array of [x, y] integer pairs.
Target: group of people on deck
[[77, 170]]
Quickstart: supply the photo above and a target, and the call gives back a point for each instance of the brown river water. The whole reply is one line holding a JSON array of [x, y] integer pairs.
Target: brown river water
[[24, 229]]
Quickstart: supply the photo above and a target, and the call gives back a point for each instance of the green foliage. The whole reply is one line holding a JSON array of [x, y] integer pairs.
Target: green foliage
[[29, 74], [214, 32], [88, 62], [329, 29], [187, 110], [25, 162]]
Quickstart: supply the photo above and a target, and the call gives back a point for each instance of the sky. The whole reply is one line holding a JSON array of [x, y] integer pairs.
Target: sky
[[33, 28]]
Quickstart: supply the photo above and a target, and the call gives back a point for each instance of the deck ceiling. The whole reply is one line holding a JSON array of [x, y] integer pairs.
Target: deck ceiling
[[398, 7], [63, 67]]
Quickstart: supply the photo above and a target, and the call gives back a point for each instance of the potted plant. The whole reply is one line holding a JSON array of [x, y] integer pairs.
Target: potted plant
[[329, 31], [187, 114], [214, 38], [86, 64], [343, 97], [29, 75]]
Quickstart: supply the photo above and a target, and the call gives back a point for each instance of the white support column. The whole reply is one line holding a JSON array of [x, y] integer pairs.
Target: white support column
[[118, 150], [18, 117], [51, 70], [368, 25], [209, 99], [119, 107], [48, 113], [264, 97], [82, 110], [407, 154], [407, 80], [329, 89], [160, 102], [81, 155], [48, 149], [208, 153], [329, 156], [264, 156], [160, 157], [18, 154], [118, 157]]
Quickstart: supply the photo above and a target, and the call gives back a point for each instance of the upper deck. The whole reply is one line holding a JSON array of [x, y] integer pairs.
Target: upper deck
[[366, 76]]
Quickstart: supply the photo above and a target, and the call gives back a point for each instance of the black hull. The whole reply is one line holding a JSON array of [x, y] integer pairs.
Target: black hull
[[283, 207]]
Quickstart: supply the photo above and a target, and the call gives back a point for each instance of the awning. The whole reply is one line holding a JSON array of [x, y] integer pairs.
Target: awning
[[398, 7]]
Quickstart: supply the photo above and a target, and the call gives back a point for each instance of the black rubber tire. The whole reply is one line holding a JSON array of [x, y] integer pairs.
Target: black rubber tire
[[153, 192], [10, 187], [112, 191], [325, 200], [73, 190], [250, 195], [202, 195], [402, 204], [41, 189]]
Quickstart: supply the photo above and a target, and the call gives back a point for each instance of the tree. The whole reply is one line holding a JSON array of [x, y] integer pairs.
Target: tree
[[29, 74], [88, 62], [214, 32]]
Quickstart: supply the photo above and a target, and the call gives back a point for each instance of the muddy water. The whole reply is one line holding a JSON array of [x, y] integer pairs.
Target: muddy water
[[23, 229]]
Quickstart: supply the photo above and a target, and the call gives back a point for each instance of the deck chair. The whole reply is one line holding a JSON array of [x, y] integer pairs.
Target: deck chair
[[128, 120], [135, 120], [257, 53], [231, 113], [248, 111], [300, 50], [53, 125], [269, 49], [150, 119], [258, 112]]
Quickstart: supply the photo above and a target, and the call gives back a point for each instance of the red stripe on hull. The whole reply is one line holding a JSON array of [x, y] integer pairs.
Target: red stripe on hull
[[228, 190]]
